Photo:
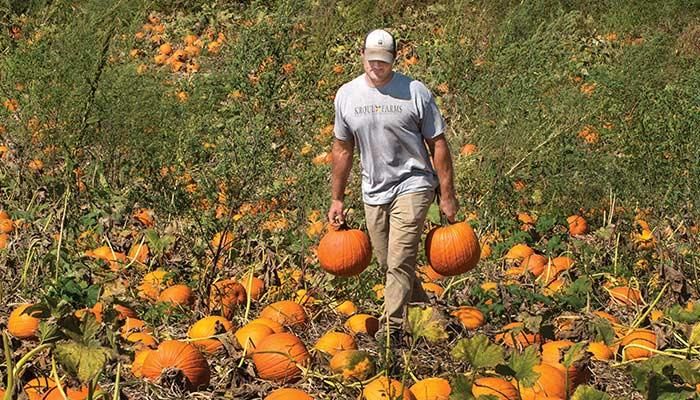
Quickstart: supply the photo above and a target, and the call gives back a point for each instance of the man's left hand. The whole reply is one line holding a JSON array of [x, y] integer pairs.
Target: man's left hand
[[449, 206]]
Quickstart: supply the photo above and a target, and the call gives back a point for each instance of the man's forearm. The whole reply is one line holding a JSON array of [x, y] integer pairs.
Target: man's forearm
[[342, 164], [442, 161]]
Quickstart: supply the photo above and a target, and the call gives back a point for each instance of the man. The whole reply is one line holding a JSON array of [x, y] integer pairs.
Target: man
[[394, 122]]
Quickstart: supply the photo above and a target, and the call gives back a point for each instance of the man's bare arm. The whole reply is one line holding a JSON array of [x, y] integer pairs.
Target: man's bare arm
[[442, 161], [342, 164]]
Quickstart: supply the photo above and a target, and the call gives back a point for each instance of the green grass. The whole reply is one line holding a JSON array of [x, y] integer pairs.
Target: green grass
[[512, 71]]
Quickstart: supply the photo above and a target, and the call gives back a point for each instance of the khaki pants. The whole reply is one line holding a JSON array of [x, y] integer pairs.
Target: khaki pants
[[395, 232]]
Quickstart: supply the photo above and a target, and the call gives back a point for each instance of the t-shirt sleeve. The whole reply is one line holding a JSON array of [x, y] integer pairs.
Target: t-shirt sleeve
[[341, 130], [432, 124]]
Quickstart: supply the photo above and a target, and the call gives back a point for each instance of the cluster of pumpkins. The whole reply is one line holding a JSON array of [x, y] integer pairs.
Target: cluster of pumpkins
[[180, 57], [280, 356], [277, 353]]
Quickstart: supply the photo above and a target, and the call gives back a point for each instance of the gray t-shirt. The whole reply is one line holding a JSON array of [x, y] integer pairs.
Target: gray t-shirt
[[389, 125]]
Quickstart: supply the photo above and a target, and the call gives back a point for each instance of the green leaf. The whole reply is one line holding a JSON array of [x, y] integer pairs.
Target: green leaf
[[82, 361], [49, 332], [478, 352], [681, 314], [532, 323], [461, 388], [604, 330], [574, 354], [522, 365], [576, 294], [585, 392], [83, 331], [426, 323], [657, 377]]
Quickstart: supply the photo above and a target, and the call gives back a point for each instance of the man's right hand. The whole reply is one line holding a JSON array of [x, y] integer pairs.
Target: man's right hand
[[335, 213]]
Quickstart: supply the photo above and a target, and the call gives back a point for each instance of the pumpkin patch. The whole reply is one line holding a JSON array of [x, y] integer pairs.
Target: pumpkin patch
[[168, 171]]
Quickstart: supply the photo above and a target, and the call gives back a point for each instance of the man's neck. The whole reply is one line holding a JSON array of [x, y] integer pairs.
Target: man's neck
[[378, 84]]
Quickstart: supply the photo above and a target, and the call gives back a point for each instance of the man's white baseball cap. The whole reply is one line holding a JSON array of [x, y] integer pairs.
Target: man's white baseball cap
[[380, 46]]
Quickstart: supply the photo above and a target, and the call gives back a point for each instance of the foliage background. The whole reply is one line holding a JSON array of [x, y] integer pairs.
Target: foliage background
[[508, 76]]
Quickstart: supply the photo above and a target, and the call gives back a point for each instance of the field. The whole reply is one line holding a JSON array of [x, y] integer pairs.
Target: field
[[164, 181]]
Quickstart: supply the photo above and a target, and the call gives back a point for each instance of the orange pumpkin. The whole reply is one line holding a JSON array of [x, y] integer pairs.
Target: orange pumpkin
[[165, 49], [577, 225], [152, 283], [288, 394], [4, 240], [494, 386], [515, 335], [548, 275], [562, 263], [142, 340], [352, 364], [123, 312], [225, 296], [344, 252], [39, 388], [383, 388], [551, 383], [534, 263], [452, 249], [23, 325], [519, 252], [254, 286], [434, 288], [470, 317], [274, 325], [45, 389], [115, 259], [431, 389], [207, 327], [277, 357], [553, 354], [286, 312], [639, 337], [428, 274], [250, 334], [80, 393], [222, 241], [485, 251], [97, 310], [606, 316], [184, 358], [177, 295], [333, 342], [6, 225], [625, 295], [139, 358], [131, 325], [468, 149], [346, 308], [600, 351], [139, 252], [553, 287], [362, 323]]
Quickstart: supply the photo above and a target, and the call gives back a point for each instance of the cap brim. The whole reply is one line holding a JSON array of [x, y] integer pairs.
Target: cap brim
[[379, 55]]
